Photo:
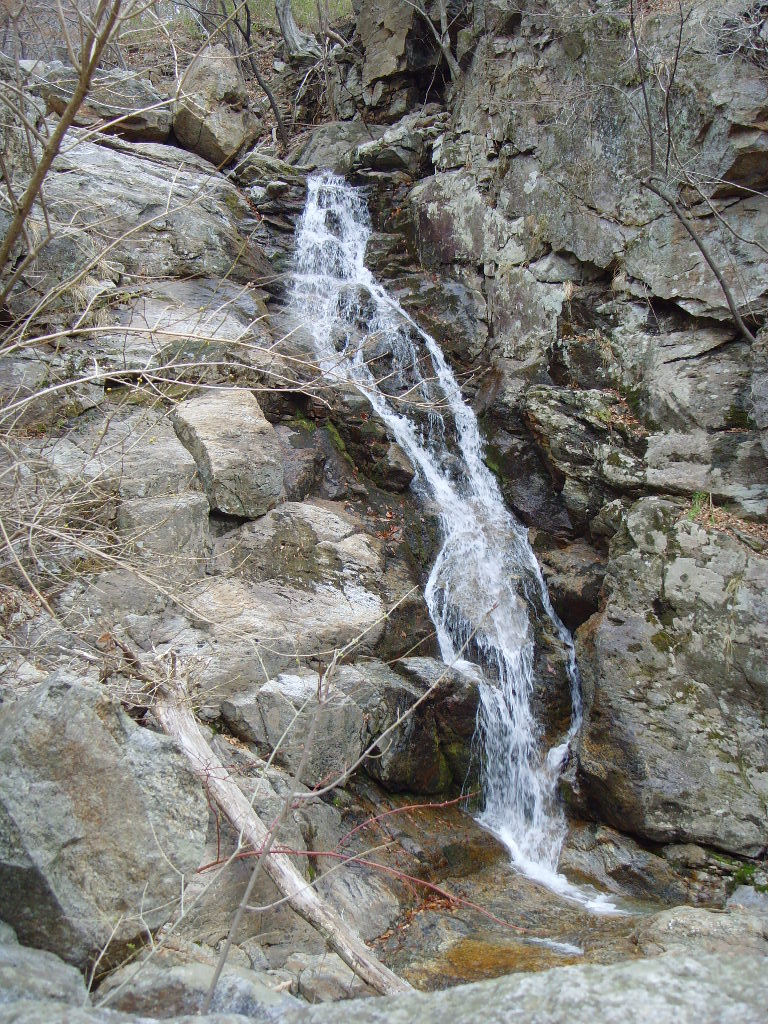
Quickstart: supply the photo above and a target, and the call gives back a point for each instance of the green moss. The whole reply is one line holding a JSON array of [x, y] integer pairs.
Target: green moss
[[303, 423], [739, 419], [729, 862], [745, 875], [338, 442], [492, 462], [232, 201], [662, 641]]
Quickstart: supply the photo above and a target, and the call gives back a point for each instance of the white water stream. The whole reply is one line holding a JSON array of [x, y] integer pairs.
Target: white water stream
[[485, 583]]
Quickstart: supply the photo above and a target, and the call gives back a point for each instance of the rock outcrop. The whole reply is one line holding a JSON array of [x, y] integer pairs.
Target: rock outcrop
[[100, 820], [236, 451], [174, 522], [212, 117], [674, 743], [118, 102]]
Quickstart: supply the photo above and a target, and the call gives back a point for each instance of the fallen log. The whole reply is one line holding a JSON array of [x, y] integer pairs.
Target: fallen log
[[178, 722]]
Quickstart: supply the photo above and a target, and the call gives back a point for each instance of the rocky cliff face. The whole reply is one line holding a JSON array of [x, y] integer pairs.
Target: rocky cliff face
[[624, 409]]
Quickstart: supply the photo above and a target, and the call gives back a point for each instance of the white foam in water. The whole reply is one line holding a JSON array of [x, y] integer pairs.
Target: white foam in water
[[485, 578]]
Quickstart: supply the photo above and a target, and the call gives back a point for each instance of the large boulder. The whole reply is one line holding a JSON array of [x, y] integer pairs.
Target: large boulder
[[99, 821], [139, 209], [675, 988], [204, 328], [212, 117], [619, 864], [331, 145], [406, 146], [417, 724], [36, 974], [710, 989], [236, 450], [686, 929], [119, 102], [673, 746], [288, 711]]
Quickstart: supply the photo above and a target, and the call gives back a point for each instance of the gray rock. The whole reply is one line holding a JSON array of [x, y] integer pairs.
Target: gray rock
[[453, 704], [363, 898], [617, 863], [331, 145], [212, 116], [246, 633], [303, 460], [574, 574], [579, 190], [142, 452], [99, 820], [395, 43], [159, 991], [395, 470], [43, 1011], [731, 466], [688, 929], [663, 990], [263, 169], [46, 1012], [405, 146], [236, 450], [34, 974], [201, 328], [682, 380], [159, 213], [749, 898], [279, 717], [25, 394], [326, 978], [455, 224], [673, 743], [171, 529], [592, 444], [124, 102]]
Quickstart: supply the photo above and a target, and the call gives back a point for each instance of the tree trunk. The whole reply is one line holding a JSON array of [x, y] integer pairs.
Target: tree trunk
[[297, 43], [179, 722]]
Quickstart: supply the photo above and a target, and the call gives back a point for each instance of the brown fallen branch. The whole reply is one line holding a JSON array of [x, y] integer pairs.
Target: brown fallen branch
[[178, 722]]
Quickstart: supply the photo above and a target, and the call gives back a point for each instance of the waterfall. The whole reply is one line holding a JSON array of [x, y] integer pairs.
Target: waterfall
[[485, 583]]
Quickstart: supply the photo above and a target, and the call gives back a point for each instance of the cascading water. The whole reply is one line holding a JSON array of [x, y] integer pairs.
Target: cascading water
[[485, 579]]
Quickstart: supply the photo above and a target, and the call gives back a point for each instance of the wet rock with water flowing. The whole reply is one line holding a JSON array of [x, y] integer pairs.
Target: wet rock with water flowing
[[485, 575]]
